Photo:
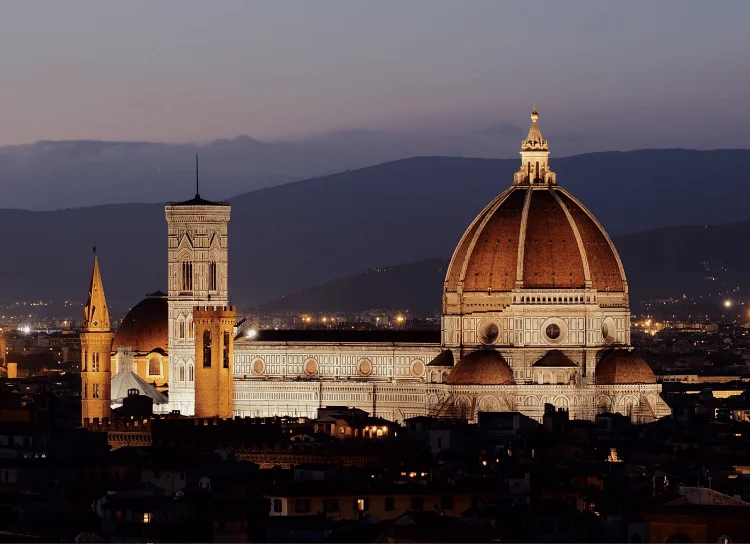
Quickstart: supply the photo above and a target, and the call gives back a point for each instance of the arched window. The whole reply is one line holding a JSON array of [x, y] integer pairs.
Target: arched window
[[191, 374], [191, 331], [206, 349], [95, 362], [154, 366], [186, 276], [537, 172], [182, 373], [182, 328], [226, 349], [83, 360], [212, 283]]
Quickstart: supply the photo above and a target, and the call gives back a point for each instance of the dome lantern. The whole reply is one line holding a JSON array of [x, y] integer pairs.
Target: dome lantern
[[534, 158]]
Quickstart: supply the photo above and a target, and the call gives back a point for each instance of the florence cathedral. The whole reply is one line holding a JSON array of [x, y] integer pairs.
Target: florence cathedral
[[535, 312]]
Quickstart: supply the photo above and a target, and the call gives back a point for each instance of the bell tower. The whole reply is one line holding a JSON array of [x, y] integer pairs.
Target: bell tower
[[197, 260], [214, 358], [96, 349]]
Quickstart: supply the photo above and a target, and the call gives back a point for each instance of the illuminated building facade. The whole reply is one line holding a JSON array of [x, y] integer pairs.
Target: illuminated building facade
[[197, 247], [535, 312], [96, 348]]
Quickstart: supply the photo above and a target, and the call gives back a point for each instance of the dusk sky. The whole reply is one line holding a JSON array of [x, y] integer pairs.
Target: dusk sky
[[617, 75]]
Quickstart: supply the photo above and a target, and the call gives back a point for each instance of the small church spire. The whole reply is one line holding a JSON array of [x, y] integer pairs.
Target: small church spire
[[534, 158], [95, 313]]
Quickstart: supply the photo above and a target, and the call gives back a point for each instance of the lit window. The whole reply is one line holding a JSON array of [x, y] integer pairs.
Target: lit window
[[146, 517], [154, 366], [96, 391]]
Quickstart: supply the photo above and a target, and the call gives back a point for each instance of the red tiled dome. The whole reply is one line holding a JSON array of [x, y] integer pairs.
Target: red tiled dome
[[481, 367], [620, 367], [552, 257], [146, 327]]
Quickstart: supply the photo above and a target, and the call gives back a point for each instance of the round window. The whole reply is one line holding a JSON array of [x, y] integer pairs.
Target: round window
[[553, 331], [609, 331], [311, 366], [490, 332], [365, 367]]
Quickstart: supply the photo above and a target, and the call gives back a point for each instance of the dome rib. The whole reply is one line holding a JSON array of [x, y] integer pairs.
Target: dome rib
[[579, 240], [491, 257], [600, 250], [549, 261], [522, 237]]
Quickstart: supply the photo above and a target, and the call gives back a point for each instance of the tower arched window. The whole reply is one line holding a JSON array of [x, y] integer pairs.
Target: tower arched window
[[212, 277], [95, 394], [95, 362], [226, 349], [186, 276], [182, 373], [191, 374], [206, 349], [181, 328], [84, 361], [191, 331], [537, 171]]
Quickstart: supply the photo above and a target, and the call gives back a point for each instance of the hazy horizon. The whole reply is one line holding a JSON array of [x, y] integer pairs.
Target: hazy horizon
[[604, 75]]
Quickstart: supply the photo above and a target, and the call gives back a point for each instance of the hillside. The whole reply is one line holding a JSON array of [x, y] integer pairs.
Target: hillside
[[704, 264], [287, 238]]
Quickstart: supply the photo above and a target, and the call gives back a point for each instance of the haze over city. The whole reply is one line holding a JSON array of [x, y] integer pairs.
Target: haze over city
[[612, 75]]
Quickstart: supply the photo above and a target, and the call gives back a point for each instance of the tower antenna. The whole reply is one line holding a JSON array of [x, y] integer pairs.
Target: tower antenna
[[197, 192]]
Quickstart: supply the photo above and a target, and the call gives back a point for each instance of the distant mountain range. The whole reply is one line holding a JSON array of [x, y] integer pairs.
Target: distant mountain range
[[51, 175], [291, 237], [705, 264]]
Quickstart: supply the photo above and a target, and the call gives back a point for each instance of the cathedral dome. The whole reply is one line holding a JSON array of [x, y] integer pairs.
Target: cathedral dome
[[146, 326], [481, 367], [620, 367], [535, 238], [535, 235]]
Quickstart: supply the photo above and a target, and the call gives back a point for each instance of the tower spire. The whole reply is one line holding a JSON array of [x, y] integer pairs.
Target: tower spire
[[534, 157], [95, 313]]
